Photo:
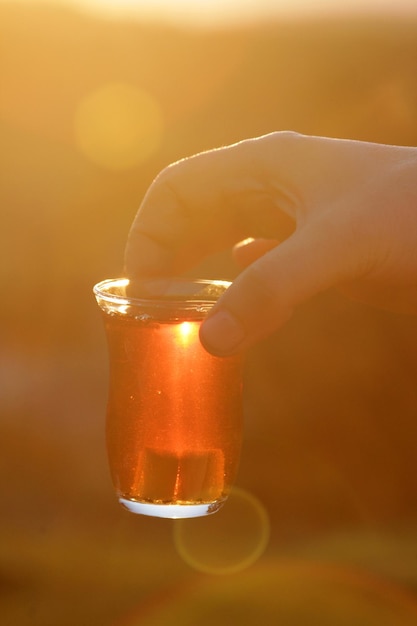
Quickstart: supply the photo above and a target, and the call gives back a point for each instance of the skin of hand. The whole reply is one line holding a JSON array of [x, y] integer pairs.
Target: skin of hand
[[303, 214]]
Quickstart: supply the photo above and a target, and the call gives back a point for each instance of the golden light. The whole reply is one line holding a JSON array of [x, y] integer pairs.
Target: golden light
[[185, 329], [217, 11], [206, 13], [118, 126], [186, 333]]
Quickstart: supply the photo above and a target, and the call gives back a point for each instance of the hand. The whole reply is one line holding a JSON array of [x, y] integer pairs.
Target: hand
[[320, 213]]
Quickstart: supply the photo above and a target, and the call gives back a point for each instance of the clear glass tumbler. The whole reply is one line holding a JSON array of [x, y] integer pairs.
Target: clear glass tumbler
[[174, 413]]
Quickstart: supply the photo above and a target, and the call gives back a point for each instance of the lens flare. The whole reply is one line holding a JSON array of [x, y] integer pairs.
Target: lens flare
[[227, 542], [118, 126], [290, 592]]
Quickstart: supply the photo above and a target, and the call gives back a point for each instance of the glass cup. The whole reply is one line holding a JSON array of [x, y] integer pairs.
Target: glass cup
[[174, 413]]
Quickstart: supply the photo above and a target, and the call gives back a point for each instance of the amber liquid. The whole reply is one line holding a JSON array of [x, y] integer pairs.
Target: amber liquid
[[174, 418]]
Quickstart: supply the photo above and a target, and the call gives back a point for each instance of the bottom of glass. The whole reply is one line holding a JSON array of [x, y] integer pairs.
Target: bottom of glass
[[172, 511]]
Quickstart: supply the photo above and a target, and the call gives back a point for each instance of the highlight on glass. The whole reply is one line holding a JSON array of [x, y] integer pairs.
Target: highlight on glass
[[174, 412]]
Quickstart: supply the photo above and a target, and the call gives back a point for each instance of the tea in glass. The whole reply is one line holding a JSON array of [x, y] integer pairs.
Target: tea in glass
[[174, 413]]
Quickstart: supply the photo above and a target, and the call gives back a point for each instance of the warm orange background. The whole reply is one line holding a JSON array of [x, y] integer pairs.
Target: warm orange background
[[331, 401]]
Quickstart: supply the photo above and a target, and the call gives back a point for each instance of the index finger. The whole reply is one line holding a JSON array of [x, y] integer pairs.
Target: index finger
[[209, 202]]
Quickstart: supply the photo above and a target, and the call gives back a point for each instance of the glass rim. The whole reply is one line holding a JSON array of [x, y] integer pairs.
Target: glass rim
[[102, 292]]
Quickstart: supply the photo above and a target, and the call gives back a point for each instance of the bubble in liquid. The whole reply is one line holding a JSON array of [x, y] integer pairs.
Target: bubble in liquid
[[227, 541], [144, 317]]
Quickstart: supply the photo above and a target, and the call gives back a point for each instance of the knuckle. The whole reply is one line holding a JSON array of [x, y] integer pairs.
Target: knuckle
[[288, 136]]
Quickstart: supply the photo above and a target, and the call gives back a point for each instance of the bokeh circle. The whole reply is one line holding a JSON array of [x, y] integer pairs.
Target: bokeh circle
[[227, 541], [118, 126]]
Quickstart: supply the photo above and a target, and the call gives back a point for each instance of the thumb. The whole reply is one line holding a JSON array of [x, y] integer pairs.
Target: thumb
[[264, 295]]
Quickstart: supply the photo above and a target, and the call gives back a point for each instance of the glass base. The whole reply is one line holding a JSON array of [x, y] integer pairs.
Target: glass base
[[172, 511]]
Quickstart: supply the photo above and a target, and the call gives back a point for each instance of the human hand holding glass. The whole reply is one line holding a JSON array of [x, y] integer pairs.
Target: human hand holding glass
[[320, 213]]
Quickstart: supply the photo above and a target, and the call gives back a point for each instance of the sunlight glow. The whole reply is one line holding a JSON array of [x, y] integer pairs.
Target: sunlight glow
[[118, 126], [206, 13], [185, 330], [240, 10], [187, 335]]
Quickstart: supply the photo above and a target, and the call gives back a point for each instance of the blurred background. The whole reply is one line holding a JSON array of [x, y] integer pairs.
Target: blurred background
[[95, 99]]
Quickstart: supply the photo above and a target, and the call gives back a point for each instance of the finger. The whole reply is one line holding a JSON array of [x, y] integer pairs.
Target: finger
[[249, 250], [211, 201], [263, 296]]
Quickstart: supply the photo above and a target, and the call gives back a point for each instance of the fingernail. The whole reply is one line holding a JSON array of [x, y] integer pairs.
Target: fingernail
[[222, 333]]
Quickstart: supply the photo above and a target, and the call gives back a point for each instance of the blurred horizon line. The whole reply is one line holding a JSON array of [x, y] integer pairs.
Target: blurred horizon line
[[226, 14]]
